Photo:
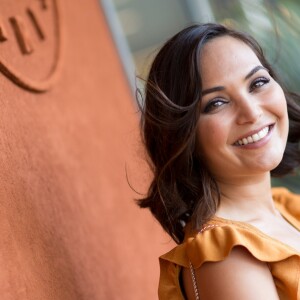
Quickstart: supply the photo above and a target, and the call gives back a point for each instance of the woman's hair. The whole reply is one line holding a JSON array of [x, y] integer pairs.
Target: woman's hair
[[182, 189]]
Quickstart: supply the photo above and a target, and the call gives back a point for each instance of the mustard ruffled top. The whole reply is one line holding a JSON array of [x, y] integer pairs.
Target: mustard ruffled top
[[217, 238]]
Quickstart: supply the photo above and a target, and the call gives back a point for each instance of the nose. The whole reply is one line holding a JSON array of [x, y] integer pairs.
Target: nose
[[248, 109]]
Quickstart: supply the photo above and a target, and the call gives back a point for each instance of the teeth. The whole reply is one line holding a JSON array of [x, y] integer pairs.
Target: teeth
[[254, 138], [245, 141], [250, 139]]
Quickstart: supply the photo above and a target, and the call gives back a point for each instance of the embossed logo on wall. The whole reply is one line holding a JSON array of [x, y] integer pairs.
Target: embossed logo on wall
[[30, 42]]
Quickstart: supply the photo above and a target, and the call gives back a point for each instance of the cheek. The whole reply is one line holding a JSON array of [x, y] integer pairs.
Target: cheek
[[278, 101], [212, 134], [279, 107]]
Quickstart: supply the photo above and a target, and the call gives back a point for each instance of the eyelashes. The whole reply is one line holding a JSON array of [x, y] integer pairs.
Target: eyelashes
[[218, 102], [258, 82], [214, 104]]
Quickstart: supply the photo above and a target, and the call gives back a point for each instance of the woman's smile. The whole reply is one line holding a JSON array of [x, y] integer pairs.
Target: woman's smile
[[255, 139]]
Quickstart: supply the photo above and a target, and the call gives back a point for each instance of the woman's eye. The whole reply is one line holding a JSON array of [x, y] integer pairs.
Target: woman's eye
[[213, 105], [258, 82]]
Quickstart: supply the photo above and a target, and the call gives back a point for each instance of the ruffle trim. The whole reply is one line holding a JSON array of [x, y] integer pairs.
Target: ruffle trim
[[219, 236], [216, 244]]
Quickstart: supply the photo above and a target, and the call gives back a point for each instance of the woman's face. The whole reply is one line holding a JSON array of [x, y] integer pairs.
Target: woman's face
[[243, 125]]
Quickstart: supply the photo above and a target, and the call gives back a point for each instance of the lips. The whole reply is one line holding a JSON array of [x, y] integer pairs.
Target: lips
[[254, 137]]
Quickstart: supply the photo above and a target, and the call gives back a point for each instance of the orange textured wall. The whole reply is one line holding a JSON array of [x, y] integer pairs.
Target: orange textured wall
[[68, 225]]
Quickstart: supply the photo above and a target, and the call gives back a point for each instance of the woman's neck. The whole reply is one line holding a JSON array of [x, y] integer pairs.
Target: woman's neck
[[246, 199]]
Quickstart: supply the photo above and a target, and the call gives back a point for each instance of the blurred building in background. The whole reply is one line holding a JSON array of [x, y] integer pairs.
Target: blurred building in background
[[140, 27]]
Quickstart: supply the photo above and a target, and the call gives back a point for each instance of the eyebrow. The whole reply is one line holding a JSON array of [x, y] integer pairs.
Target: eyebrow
[[254, 70], [212, 90], [221, 88]]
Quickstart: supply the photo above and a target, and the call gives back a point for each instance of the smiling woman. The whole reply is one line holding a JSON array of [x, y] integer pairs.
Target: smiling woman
[[246, 112], [216, 124]]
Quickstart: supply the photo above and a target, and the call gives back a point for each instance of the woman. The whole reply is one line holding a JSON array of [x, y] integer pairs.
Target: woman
[[216, 124]]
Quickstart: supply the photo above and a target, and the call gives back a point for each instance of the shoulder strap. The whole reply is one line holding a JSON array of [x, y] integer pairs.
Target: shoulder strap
[[196, 291]]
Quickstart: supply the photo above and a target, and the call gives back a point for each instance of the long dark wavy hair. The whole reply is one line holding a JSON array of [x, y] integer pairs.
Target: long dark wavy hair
[[182, 189]]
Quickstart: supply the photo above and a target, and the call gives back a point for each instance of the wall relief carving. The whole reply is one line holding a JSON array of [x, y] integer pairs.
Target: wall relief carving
[[30, 43]]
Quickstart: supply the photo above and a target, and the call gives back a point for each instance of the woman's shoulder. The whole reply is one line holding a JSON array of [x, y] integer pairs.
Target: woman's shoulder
[[217, 238], [251, 278]]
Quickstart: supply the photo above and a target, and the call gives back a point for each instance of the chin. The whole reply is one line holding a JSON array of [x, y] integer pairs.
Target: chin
[[268, 165]]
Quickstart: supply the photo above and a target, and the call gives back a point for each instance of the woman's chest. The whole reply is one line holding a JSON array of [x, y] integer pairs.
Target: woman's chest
[[282, 231]]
